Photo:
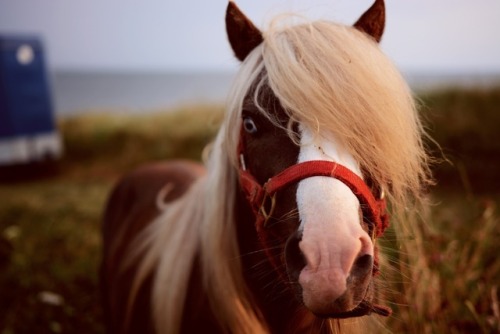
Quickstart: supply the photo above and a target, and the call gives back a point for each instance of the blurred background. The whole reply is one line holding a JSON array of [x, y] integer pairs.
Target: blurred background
[[123, 82], [120, 54]]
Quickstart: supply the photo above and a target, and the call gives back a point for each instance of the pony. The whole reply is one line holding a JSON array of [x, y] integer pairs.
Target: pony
[[276, 231]]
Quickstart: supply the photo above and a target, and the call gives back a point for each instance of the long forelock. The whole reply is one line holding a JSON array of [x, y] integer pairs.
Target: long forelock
[[335, 78]]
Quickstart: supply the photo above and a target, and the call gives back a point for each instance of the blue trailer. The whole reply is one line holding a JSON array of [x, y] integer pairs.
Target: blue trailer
[[28, 132]]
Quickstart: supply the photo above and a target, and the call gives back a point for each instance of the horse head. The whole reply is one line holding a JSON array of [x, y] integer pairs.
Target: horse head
[[316, 212]]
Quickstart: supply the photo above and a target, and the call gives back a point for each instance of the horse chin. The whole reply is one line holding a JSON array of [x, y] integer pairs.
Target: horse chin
[[349, 305]]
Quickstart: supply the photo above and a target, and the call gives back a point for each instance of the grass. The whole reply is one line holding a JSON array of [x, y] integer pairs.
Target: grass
[[50, 246], [49, 227], [451, 284], [108, 144]]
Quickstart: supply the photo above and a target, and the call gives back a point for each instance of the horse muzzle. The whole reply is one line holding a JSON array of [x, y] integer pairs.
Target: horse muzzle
[[326, 302], [334, 271]]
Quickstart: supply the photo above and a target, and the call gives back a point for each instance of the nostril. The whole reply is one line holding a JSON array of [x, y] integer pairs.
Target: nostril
[[364, 261], [362, 268], [294, 258], [363, 264]]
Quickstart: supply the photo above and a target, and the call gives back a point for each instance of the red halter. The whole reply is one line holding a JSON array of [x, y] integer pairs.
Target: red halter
[[258, 196]]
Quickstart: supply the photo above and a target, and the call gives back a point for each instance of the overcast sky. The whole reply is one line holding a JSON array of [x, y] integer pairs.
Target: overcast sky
[[157, 35]]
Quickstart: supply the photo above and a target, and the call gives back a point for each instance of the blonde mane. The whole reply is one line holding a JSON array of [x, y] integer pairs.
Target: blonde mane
[[331, 77]]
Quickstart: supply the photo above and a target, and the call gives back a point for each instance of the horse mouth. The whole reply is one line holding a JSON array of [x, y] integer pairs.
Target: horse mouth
[[364, 308], [356, 300]]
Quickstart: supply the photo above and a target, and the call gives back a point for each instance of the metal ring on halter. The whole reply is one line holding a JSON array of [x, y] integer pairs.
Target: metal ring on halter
[[262, 210], [382, 193], [373, 235]]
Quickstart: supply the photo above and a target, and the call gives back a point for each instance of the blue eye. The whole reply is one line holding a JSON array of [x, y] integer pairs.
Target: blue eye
[[249, 125]]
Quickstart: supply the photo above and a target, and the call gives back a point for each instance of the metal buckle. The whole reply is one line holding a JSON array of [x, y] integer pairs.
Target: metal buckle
[[262, 210]]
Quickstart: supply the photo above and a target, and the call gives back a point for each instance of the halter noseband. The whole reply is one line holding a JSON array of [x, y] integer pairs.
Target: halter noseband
[[257, 195]]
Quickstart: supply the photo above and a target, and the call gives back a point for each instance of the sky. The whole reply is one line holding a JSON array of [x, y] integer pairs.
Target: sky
[[164, 35]]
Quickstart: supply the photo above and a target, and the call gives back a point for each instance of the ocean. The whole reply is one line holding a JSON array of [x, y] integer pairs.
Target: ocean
[[135, 92], [76, 92]]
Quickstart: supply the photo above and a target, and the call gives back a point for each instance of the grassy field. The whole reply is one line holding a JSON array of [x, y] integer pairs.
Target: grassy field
[[49, 226]]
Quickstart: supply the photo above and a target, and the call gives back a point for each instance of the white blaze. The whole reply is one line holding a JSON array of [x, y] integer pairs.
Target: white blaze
[[332, 236]]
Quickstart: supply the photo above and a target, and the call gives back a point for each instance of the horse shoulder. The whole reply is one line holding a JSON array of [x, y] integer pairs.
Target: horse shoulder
[[136, 199]]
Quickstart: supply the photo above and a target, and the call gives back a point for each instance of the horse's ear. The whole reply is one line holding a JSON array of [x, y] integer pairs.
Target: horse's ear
[[242, 33], [372, 21]]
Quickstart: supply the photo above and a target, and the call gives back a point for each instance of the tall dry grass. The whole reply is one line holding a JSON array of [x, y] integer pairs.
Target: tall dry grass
[[446, 274]]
